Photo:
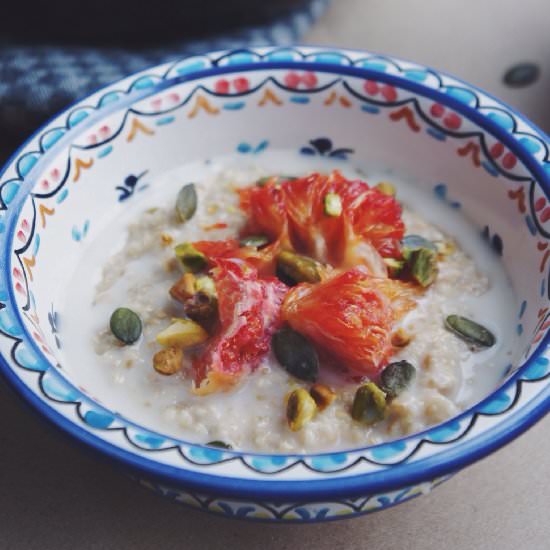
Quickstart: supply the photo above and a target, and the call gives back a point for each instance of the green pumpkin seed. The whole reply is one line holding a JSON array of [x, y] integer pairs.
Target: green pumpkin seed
[[190, 258], [369, 404], [300, 269], [186, 202], [125, 325], [397, 377], [423, 266], [333, 205], [220, 445], [257, 241], [410, 243], [296, 354], [471, 332]]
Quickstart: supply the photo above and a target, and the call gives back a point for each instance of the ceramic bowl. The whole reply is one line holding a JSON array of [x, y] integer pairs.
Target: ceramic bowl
[[79, 172]]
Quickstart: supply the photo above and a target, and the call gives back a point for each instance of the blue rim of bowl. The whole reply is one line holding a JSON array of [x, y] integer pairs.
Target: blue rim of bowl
[[393, 477]]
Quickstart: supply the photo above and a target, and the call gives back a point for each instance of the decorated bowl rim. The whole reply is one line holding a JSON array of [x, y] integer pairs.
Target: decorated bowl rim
[[395, 475]]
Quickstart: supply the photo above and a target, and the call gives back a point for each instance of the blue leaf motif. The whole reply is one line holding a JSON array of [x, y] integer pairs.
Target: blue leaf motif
[[323, 146], [303, 513], [226, 508], [243, 511]]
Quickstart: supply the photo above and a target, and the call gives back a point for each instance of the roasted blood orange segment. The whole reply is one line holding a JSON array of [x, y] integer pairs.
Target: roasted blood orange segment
[[262, 259], [365, 226], [264, 208], [350, 316], [249, 312]]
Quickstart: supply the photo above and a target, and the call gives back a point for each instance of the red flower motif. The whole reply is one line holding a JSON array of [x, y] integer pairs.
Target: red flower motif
[[241, 84], [509, 161], [437, 110], [371, 87], [452, 121], [222, 86], [389, 93]]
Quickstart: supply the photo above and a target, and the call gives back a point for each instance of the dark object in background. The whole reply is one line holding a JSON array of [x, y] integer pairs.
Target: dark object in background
[[522, 74], [104, 23], [52, 54]]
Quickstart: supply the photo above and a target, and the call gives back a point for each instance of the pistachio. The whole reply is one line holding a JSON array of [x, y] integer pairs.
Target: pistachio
[[168, 361], [333, 204], [471, 332], [423, 266], [410, 243], [322, 395], [401, 338], [186, 202], [201, 307], [369, 404], [277, 180], [300, 269], [300, 409], [220, 445], [205, 284], [296, 354], [395, 267], [396, 377], [125, 325], [445, 248], [190, 258], [166, 239], [183, 288], [262, 181], [257, 241], [182, 333], [386, 187]]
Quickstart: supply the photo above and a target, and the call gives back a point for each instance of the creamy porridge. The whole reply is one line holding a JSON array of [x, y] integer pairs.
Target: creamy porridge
[[252, 413]]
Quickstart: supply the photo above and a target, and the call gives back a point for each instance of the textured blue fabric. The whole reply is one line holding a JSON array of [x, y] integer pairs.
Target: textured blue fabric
[[37, 81]]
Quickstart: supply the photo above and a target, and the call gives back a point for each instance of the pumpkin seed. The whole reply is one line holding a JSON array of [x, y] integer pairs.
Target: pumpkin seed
[[300, 409], [220, 445], [256, 241], [369, 404], [386, 187], [186, 202], [168, 361], [322, 395], [423, 266], [396, 377], [296, 354], [300, 269], [190, 258], [333, 204], [125, 325], [410, 243], [471, 332], [395, 267]]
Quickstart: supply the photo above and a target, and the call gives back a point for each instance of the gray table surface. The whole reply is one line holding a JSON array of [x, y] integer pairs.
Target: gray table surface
[[54, 496]]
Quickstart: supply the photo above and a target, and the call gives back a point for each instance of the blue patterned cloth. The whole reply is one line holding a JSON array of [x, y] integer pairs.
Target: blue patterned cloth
[[37, 81]]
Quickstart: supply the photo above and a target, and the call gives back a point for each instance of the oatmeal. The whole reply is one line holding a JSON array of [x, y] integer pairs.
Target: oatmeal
[[251, 412]]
